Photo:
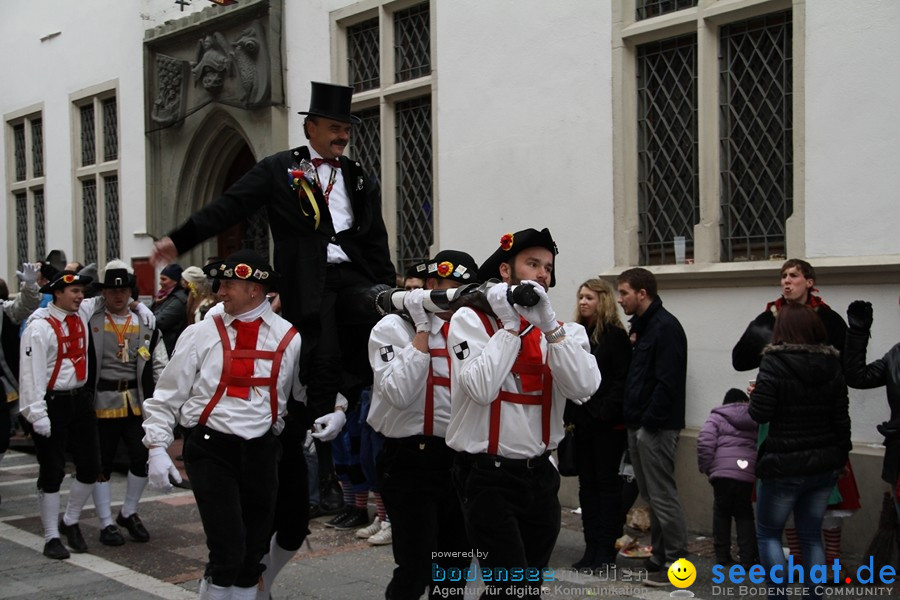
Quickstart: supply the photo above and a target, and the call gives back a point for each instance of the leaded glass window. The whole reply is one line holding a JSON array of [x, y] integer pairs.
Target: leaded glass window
[[111, 202], [88, 151], [414, 181], [756, 145], [363, 55], [645, 9], [19, 152], [40, 226], [412, 43], [21, 228], [37, 147], [366, 140], [110, 130], [89, 215], [668, 188]]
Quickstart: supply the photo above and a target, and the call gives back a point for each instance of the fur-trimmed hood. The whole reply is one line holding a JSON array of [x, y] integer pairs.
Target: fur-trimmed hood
[[810, 363], [814, 348]]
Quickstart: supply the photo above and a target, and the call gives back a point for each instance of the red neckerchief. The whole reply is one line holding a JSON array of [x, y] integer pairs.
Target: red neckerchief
[[162, 294], [811, 301], [530, 354]]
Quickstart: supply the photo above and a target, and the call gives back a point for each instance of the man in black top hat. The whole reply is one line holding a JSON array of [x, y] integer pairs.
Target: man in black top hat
[[330, 242]]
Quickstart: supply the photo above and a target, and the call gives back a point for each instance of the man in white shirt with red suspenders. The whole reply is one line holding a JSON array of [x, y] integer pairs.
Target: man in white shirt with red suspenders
[[510, 375], [58, 408], [411, 408], [228, 383]]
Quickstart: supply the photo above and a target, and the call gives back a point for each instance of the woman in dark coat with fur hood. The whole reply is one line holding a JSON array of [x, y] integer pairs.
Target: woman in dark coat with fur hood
[[801, 393]]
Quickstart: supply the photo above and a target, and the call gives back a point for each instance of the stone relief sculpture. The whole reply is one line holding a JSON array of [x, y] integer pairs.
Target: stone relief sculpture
[[213, 63], [246, 54], [167, 108]]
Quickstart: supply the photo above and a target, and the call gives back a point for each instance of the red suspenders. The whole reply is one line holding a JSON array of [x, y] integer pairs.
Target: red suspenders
[[69, 346], [228, 379], [428, 427]]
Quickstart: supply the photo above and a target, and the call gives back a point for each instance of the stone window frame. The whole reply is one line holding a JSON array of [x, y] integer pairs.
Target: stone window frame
[[33, 186]]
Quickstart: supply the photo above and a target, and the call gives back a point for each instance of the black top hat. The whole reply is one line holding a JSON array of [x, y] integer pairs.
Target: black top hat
[[64, 279], [114, 279], [449, 264], [243, 265], [332, 102], [513, 243], [57, 259]]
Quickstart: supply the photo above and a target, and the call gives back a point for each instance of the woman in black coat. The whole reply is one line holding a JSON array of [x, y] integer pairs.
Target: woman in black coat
[[600, 436]]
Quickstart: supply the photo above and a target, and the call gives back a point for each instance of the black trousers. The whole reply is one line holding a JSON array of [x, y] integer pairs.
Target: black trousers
[[5, 423], [732, 499], [598, 453], [234, 482], [291, 523], [73, 426], [129, 430], [512, 514], [418, 492]]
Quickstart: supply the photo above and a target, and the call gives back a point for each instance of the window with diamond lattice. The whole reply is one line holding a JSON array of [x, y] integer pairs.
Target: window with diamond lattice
[[668, 189], [19, 151], [366, 140], [363, 52], [40, 238], [645, 9], [756, 137], [89, 214], [88, 154], [111, 200], [21, 229], [110, 130], [37, 147], [414, 181], [412, 43]]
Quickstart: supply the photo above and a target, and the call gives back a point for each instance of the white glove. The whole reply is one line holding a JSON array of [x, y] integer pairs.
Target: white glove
[[496, 297], [42, 427], [159, 468], [541, 315], [146, 315], [413, 303], [28, 274], [329, 426], [579, 401]]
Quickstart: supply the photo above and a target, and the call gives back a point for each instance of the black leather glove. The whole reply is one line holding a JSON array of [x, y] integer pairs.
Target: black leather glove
[[859, 315]]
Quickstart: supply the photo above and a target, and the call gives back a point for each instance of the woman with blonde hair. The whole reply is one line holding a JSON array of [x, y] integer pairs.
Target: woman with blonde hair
[[600, 436], [200, 295]]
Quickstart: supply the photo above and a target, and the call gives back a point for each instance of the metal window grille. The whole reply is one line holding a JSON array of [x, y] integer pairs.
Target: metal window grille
[[366, 141], [363, 52], [668, 189], [21, 228], [19, 152], [110, 131], [645, 9], [412, 43], [755, 82], [40, 238], [37, 147], [414, 181], [111, 212], [89, 219], [88, 152]]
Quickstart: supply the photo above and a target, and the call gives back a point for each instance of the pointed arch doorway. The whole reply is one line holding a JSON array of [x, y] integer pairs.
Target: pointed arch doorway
[[253, 233]]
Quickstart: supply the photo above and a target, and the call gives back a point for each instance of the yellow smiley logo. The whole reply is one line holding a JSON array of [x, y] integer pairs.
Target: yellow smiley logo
[[682, 573]]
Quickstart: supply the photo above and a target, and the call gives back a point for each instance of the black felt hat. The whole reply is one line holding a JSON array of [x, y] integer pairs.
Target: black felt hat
[[332, 102], [114, 279], [64, 279], [513, 243], [449, 264], [244, 265]]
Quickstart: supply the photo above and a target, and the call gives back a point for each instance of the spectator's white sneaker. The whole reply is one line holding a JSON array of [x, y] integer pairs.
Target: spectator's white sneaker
[[383, 537], [367, 532]]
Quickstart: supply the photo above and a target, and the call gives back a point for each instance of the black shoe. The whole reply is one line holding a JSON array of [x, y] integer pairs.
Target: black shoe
[[359, 517], [110, 536], [314, 511], [651, 566], [135, 527], [331, 498], [342, 516], [74, 539], [55, 550]]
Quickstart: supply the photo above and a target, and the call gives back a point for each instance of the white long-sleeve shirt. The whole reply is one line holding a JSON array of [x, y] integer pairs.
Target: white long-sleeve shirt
[[400, 378], [481, 367], [190, 380]]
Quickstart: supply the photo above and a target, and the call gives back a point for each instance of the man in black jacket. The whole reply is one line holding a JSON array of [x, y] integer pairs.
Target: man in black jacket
[[654, 414], [330, 245]]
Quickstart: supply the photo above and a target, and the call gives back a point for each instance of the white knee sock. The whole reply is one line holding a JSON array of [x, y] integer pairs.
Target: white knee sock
[[133, 492], [209, 591], [274, 561], [102, 503], [78, 495], [49, 507]]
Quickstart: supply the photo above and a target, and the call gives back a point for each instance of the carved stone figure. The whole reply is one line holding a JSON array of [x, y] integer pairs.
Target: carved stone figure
[[167, 106], [213, 63]]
